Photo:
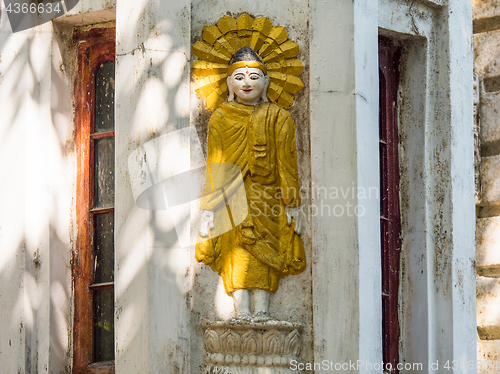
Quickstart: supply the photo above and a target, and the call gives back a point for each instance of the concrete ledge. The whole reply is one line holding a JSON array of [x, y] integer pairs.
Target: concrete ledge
[[488, 271], [90, 6], [438, 3], [485, 9], [486, 24], [488, 332], [88, 18]]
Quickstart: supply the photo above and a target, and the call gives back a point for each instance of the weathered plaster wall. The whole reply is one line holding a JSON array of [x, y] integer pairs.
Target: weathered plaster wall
[[487, 67], [414, 259], [153, 275], [344, 107], [37, 203], [37, 161], [162, 294], [13, 156]]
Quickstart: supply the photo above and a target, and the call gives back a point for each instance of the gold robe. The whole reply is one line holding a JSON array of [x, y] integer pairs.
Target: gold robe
[[260, 140]]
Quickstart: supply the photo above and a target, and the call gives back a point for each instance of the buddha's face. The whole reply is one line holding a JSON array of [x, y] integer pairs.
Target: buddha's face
[[248, 85]]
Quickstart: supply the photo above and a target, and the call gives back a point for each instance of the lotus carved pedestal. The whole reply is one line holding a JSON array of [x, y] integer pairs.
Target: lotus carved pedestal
[[251, 347]]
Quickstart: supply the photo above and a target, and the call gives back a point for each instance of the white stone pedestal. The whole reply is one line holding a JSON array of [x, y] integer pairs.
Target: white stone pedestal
[[251, 347]]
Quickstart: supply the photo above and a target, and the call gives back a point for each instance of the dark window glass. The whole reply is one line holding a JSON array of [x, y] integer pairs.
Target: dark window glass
[[105, 97], [104, 325], [104, 197], [104, 248], [104, 172]]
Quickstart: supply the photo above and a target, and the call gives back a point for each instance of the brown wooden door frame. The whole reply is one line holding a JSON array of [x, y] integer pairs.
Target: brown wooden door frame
[[95, 46], [390, 217]]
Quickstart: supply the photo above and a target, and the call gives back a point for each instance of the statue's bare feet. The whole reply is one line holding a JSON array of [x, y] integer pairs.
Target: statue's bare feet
[[261, 316], [241, 318]]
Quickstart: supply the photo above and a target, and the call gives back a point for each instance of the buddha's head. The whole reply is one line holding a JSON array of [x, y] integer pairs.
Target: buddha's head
[[247, 79]]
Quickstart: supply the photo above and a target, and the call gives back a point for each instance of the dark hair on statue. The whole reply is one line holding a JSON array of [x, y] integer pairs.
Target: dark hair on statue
[[245, 54]]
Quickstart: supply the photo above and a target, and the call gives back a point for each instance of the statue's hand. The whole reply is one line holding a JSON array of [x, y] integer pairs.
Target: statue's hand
[[295, 214], [207, 222]]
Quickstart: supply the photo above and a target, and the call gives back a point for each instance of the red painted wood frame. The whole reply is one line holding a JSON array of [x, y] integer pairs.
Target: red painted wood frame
[[95, 47], [390, 217]]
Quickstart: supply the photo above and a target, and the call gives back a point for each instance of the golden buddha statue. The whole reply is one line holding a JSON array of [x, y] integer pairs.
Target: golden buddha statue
[[258, 137]]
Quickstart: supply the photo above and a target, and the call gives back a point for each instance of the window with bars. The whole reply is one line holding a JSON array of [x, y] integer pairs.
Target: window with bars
[[93, 259]]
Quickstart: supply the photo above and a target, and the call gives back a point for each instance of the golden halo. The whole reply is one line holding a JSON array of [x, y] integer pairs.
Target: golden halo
[[220, 42]]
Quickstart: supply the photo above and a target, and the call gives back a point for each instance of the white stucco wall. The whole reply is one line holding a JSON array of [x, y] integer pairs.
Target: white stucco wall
[[152, 270], [38, 197], [37, 204], [162, 294], [344, 139]]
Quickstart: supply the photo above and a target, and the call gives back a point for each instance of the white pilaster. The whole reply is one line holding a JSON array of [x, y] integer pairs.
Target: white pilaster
[[344, 145], [152, 98]]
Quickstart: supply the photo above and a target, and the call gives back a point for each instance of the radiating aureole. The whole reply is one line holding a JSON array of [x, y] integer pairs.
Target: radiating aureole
[[220, 42]]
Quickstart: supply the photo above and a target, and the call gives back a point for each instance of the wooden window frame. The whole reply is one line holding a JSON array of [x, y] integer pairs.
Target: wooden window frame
[[95, 47], [390, 215]]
